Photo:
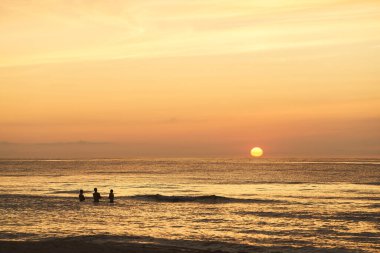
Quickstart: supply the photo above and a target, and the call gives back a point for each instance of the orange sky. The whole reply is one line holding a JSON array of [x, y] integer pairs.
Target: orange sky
[[189, 78]]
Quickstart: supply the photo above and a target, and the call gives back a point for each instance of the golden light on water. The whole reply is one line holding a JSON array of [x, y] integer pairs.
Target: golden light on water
[[257, 152]]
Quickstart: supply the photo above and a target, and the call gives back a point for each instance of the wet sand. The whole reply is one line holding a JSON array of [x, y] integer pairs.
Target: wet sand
[[72, 246]]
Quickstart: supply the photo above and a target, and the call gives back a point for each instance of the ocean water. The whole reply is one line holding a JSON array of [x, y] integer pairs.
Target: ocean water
[[330, 205]]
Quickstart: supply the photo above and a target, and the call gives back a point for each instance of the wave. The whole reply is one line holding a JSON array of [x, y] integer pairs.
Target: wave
[[69, 192], [199, 199], [370, 183], [345, 216], [248, 198], [152, 198], [115, 243]]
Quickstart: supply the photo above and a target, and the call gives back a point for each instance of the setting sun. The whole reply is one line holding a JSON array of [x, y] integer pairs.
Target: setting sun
[[145, 122], [257, 152]]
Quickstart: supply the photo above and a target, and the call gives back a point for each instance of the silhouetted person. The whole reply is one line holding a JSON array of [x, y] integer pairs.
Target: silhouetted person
[[111, 196], [96, 195], [81, 196]]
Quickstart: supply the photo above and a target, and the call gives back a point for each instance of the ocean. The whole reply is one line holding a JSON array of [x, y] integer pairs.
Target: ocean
[[232, 205]]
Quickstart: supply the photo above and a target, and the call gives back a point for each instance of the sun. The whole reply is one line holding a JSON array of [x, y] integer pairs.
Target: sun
[[257, 152]]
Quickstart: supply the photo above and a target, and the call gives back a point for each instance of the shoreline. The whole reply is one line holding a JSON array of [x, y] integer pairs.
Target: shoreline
[[93, 244], [80, 246]]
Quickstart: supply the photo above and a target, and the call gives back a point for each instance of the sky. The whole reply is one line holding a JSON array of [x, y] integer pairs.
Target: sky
[[165, 78]]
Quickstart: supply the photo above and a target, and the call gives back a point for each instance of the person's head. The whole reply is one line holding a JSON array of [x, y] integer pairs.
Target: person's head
[[81, 191], [111, 191], [95, 189]]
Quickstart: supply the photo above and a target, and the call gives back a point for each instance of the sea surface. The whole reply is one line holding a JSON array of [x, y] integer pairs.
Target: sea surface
[[236, 205]]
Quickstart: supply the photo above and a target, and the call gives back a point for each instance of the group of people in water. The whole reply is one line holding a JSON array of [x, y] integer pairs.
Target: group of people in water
[[96, 196]]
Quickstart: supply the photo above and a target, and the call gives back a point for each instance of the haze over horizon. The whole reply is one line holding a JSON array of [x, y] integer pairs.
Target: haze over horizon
[[201, 78]]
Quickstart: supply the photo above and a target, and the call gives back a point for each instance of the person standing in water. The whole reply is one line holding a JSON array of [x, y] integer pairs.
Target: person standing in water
[[111, 196], [81, 196], [96, 195]]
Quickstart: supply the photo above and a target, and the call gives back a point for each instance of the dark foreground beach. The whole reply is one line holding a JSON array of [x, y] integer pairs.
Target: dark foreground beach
[[96, 245], [75, 246]]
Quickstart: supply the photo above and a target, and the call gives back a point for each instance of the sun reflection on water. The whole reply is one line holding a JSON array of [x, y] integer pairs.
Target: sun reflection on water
[[293, 209]]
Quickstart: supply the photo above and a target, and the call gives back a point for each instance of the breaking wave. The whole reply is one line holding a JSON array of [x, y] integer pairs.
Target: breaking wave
[[199, 199]]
